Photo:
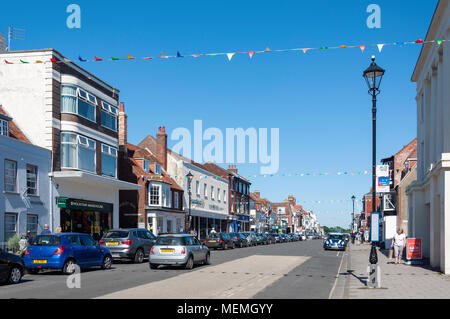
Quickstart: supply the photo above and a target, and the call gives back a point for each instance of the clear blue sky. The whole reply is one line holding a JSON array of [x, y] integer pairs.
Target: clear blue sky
[[318, 100]]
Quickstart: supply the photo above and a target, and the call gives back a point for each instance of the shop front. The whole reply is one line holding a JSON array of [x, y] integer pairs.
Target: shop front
[[160, 221], [82, 216]]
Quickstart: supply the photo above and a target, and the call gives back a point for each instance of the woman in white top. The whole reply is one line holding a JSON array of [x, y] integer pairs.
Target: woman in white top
[[398, 243]]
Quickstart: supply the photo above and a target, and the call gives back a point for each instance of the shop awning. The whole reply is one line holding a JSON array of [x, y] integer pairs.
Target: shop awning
[[94, 180]]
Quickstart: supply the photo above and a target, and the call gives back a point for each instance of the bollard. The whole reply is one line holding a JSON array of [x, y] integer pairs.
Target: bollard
[[374, 272]]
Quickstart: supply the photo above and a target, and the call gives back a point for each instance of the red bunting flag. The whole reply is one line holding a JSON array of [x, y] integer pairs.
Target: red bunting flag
[[53, 60], [148, 58], [362, 47], [8, 62], [250, 53], [196, 55], [419, 41], [97, 59], [305, 50]]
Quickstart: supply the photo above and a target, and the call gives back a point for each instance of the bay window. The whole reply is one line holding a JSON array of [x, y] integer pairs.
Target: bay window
[[77, 101], [78, 152], [109, 116], [109, 161]]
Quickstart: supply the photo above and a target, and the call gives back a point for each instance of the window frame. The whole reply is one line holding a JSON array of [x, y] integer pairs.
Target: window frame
[[78, 96], [110, 154], [4, 127], [150, 195], [36, 180], [78, 143], [16, 230], [15, 176], [111, 110]]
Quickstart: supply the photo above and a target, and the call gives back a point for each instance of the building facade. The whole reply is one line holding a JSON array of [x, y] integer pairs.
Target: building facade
[[25, 185], [429, 196], [72, 113]]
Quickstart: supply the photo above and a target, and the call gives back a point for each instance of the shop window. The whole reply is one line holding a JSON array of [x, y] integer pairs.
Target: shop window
[[32, 180], [32, 224], [160, 224], [169, 226], [78, 152], [10, 176], [109, 161]]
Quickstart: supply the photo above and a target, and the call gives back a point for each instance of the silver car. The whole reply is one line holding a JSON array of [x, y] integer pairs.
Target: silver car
[[178, 250], [134, 244], [251, 238]]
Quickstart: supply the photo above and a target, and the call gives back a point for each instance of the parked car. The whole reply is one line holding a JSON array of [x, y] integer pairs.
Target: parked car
[[304, 237], [259, 239], [266, 238], [269, 238], [277, 237], [293, 237], [64, 251], [219, 240], [244, 240], [335, 241], [283, 238], [134, 244], [12, 267], [251, 238], [178, 250], [238, 240]]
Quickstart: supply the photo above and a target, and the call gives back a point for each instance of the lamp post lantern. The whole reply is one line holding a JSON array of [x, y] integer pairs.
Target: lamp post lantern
[[373, 75], [189, 178]]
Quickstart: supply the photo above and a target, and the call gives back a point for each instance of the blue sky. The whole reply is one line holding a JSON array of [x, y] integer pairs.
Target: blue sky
[[318, 100]]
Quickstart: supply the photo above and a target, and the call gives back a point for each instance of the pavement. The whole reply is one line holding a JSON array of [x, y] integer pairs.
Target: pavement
[[298, 270], [400, 281]]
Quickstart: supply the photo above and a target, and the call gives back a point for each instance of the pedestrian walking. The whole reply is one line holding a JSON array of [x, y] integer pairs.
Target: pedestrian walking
[[46, 230], [29, 238], [398, 243]]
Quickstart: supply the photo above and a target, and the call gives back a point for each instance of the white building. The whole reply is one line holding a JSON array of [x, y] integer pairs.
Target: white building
[[72, 113], [429, 196], [24, 183]]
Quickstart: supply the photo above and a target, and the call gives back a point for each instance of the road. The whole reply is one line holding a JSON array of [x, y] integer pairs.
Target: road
[[298, 270]]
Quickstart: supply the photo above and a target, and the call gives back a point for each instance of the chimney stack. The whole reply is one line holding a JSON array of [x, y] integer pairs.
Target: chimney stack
[[257, 194], [161, 146], [233, 168], [122, 129]]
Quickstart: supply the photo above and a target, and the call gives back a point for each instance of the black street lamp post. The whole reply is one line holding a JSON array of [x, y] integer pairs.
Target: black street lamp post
[[189, 177], [353, 214], [373, 75]]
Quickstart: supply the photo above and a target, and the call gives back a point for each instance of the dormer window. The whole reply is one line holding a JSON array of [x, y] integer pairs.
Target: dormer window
[[4, 128], [146, 165], [157, 169]]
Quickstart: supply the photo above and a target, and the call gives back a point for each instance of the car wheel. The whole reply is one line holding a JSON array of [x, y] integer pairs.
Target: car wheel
[[107, 262], [233, 247], [153, 266], [208, 259], [225, 247], [15, 275], [69, 267], [139, 256], [242, 245], [190, 263]]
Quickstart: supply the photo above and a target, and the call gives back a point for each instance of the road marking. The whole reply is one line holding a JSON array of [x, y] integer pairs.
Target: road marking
[[337, 255], [337, 277], [233, 282]]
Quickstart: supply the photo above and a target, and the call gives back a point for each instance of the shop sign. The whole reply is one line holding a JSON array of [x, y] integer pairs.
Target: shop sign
[[70, 203], [413, 248], [244, 218]]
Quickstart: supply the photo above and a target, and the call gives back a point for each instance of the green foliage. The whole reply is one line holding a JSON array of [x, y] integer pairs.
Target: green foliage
[[335, 229], [13, 243]]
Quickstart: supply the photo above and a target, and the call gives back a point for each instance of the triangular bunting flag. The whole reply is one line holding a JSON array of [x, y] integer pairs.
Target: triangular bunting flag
[[97, 59], [230, 56], [305, 50], [67, 60], [324, 48], [380, 46], [163, 56], [53, 60], [130, 57], [179, 55], [439, 42], [250, 53], [24, 62], [362, 47], [148, 58], [196, 55], [39, 61], [343, 46], [419, 41], [267, 49], [8, 62], [81, 59], [114, 59]]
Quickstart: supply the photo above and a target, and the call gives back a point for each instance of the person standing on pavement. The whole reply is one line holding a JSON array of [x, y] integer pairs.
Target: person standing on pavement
[[29, 238], [398, 243], [46, 230]]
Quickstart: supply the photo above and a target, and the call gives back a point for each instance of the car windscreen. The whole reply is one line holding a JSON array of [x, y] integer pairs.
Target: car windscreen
[[335, 237], [213, 236], [170, 241], [47, 240], [117, 234]]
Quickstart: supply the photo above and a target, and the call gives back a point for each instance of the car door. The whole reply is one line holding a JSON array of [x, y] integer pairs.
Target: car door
[[3, 265], [145, 240], [78, 250], [198, 248], [92, 254]]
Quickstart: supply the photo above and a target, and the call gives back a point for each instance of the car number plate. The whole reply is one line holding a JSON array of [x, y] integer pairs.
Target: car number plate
[[112, 243], [213, 241], [40, 261], [167, 250]]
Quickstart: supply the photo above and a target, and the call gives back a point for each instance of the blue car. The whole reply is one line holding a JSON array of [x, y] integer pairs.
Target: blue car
[[64, 251], [335, 241]]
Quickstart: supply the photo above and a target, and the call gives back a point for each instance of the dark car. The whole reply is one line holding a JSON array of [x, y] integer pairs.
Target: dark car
[[238, 240], [251, 238], [335, 241], [269, 238], [219, 241], [245, 242], [276, 237], [134, 244], [283, 238], [11, 267]]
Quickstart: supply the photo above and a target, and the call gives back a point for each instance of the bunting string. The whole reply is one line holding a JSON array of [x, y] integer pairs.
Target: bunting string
[[229, 55]]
